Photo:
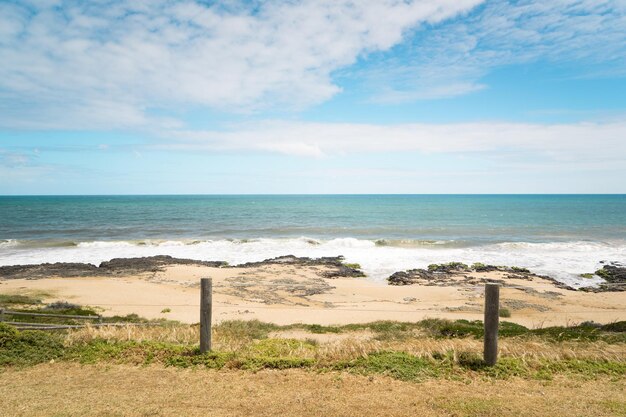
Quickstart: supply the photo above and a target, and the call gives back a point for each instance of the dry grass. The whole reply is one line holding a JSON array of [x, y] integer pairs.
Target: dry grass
[[527, 349], [74, 390], [184, 334]]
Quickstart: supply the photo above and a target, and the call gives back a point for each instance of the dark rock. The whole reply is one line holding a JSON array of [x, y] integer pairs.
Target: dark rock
[[335, 263], [614, 273], [424, 277], [615, 276], [478, 267], [117, 266], [132, 266], [64, 269], [449, 267]]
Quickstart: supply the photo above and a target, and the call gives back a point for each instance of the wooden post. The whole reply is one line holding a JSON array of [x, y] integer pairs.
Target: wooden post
[[206, 304], [1, 315], [492, 318]]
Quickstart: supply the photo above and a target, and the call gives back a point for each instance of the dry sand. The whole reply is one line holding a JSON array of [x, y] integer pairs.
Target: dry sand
[[285, 294]]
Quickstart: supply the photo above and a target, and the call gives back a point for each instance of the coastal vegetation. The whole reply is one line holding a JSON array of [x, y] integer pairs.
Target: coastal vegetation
[[432, 348], [587, 360]]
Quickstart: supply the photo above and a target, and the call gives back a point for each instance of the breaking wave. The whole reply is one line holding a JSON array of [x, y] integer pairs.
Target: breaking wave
[[564, 261]]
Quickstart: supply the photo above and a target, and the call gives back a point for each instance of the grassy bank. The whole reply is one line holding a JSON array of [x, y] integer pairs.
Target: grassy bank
[[428, 349], [430, 368], [406, 351]]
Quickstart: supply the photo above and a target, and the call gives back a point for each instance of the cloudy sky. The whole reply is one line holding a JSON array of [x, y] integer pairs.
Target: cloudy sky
[[319, 96]]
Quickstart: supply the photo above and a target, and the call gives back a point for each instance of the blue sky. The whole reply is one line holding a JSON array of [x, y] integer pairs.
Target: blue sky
[[385, 96]]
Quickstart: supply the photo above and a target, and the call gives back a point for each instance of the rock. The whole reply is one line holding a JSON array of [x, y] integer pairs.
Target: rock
[[65, 269], [133, 266], [614, 273], [615, 276], [418, 276], [449, 267], [335, 263], [116, 266]]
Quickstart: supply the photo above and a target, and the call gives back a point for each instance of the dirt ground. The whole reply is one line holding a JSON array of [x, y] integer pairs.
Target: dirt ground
[[64, 389]]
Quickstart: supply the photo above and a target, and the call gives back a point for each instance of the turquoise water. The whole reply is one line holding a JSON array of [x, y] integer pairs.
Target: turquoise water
[[465, 218], [560, 234]]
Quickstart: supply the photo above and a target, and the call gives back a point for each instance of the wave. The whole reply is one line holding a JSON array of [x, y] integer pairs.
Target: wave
[[564, 261], [15, 243], [416, 243]]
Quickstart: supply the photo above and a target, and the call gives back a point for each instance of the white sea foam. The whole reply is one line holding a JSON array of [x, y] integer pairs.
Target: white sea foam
[[564, 261]]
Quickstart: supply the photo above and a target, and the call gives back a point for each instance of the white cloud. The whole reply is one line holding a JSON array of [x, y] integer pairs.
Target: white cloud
[[589, 34], [69, 63], [563, 143]]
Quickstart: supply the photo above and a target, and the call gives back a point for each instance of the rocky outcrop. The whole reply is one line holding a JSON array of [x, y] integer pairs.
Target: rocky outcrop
[[334, 264], [116, 266], [334, 267], [457, 273], [69, 270], [130, 266], [414, 276], [615, 276]]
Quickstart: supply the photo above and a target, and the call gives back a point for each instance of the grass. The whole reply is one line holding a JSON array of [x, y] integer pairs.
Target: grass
[[66, 389], [28, 298], [7, 300], [407, 351], [28, 348], [504, 312]]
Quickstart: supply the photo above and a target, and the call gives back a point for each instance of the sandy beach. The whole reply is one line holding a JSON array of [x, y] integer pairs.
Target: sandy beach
[[285, 293]]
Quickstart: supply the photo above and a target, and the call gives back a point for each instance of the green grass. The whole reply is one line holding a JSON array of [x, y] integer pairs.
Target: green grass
[[437, 328], [257, 350], [16, 299], [24, 348], [399, 365], [504, 312], [28, 348]]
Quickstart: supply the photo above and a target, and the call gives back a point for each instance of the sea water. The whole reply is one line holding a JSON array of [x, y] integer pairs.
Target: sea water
[[557, 235]]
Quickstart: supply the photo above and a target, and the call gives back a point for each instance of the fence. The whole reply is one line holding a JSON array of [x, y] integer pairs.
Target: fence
[[21, 325], [491, 315]]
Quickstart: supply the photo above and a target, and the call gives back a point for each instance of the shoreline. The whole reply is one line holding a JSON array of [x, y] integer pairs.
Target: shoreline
[[290, 290], [565, 261]]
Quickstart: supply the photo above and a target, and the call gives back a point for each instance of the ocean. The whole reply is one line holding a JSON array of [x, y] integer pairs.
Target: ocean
[[557, 235]]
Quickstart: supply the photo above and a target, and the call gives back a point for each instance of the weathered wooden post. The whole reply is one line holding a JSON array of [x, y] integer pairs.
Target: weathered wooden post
[[492, 318], [206, 305], [1, 315]]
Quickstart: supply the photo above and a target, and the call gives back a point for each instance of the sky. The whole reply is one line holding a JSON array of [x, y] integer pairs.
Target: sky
[[319, 96]]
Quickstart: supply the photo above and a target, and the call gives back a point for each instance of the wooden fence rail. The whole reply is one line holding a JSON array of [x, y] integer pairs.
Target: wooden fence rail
[[50, 326], [61, 316]]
